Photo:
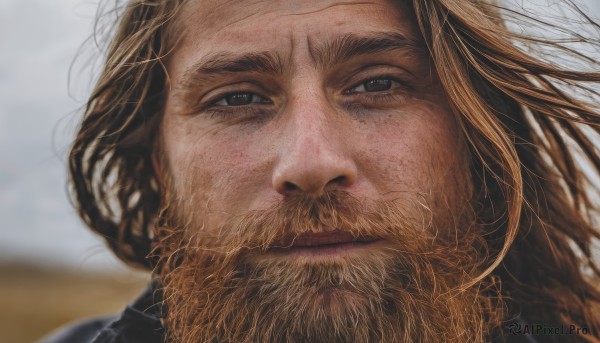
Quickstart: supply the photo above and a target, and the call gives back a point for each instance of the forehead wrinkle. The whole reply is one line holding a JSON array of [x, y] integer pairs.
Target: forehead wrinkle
[[215, 13], [331, 6]]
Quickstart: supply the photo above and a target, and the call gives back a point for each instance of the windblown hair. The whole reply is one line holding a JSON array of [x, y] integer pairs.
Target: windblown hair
[[529, 124]]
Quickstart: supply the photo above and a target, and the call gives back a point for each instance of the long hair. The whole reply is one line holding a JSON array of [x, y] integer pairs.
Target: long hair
[[529, 125]]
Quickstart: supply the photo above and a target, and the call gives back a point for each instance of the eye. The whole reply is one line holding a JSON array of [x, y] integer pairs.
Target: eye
[[380, 84], [240, 99]]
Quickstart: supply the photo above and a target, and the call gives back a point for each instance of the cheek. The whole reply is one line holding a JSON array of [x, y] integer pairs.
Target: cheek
[[220, 168], [417, 152], [189, 182]]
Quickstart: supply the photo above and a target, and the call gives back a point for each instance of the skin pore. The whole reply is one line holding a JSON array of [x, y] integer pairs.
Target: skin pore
[[315, 179]]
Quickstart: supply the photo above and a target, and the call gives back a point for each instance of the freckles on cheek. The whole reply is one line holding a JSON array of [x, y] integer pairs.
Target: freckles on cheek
[[190, 172], [190, 154], [398, 161], [412, 151], [214, 165]]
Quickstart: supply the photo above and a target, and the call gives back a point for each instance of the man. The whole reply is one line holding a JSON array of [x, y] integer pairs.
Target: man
[[325, 171]]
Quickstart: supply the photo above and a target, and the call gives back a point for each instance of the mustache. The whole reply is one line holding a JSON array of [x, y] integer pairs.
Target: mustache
[[299, 219]]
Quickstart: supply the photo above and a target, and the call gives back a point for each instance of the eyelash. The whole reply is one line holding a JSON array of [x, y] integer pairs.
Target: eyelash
[[389, 95], [257, 109], [224, 112]]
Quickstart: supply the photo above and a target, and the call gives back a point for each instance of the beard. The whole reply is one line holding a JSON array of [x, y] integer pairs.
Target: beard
[[230, 285]]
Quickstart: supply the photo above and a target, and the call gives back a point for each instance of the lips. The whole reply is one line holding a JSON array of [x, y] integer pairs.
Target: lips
[[317, 246], [315, 239]]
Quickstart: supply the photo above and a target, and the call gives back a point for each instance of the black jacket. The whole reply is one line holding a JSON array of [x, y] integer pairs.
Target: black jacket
[[140, 323]]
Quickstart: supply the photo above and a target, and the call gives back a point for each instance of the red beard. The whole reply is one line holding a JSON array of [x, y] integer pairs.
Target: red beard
[[231, 287]]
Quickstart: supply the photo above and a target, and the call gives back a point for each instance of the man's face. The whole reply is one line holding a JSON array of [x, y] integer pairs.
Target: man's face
[[347, 100], [275, 103]]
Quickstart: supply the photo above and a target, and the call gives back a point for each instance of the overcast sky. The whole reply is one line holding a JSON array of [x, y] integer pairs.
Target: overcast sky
[[38, 41]]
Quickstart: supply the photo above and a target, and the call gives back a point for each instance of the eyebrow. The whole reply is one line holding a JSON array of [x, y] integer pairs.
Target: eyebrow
[[337, 51], [351, 46], [227, 63]]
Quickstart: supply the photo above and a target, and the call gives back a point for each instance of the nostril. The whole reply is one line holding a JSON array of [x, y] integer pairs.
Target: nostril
[[289, 186], [340, 180]]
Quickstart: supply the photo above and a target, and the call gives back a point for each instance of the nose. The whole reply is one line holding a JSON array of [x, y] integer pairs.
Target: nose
[[312, 157]]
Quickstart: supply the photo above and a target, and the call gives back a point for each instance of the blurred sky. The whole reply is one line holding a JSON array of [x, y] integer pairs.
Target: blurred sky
[[38, 42]]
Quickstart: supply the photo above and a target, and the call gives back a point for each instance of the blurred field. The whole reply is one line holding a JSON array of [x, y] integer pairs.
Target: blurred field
[[35, 301]]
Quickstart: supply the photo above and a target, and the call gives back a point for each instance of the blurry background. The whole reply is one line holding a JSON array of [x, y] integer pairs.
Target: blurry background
[[52, 269]]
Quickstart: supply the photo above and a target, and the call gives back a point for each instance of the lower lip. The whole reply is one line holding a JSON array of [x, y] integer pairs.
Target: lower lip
[[329, 250]]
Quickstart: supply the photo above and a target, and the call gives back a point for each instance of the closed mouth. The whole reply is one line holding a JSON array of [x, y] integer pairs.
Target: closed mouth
[[325, 243], [312, 239]]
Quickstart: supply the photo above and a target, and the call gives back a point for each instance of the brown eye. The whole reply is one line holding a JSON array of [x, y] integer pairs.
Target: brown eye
[[240, 99], [381, 84], [377, 85]]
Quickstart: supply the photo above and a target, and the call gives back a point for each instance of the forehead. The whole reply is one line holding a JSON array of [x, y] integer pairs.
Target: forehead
[[216, 26], [212, 16]]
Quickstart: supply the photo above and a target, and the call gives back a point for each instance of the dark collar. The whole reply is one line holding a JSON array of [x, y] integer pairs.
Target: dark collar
[[139, 323]]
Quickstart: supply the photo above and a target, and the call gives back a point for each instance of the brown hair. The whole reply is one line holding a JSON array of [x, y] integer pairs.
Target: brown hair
[[527, 130]]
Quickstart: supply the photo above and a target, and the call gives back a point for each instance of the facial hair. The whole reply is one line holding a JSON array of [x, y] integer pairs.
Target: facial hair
[[230, 287]]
